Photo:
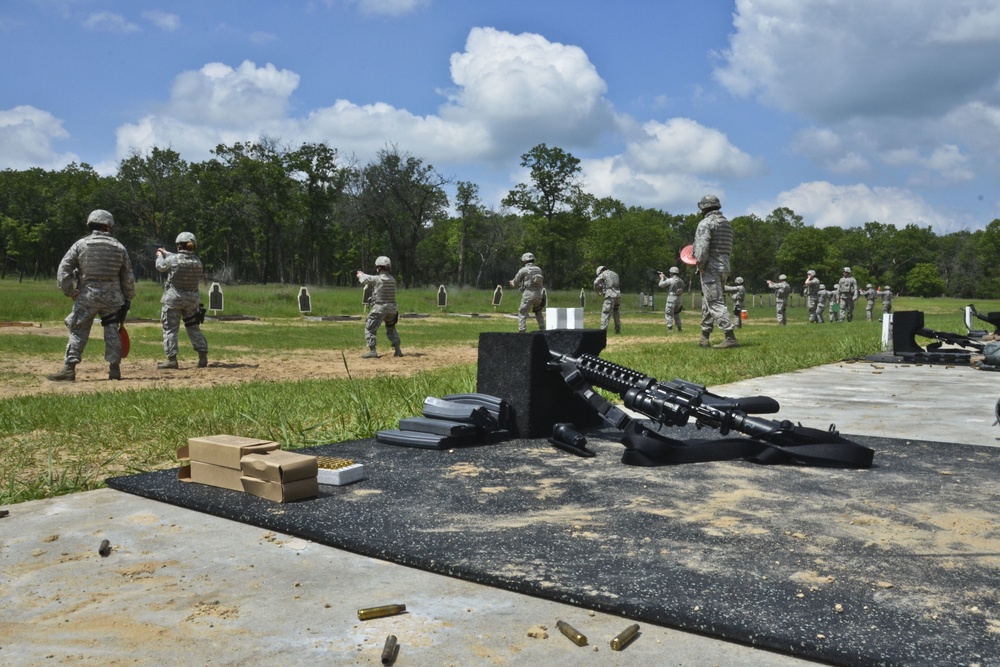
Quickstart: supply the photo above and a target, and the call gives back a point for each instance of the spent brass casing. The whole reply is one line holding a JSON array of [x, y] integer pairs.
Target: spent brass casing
[[574, 635], [389, 651], [624, 637], [379, 612]]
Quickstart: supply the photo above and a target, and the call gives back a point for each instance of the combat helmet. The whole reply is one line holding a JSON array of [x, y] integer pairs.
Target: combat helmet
[[527, 257], [847, 269], [186, 238], [709, 203], [782, 277], [600, 269], [383, 262], [739, 281], [810, 272], [674, 270], [100, 218]]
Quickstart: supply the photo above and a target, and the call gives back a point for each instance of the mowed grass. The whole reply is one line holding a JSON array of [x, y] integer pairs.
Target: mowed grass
[[52, 444]]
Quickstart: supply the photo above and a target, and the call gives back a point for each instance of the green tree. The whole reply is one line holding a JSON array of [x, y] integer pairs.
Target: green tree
[[924, 280]]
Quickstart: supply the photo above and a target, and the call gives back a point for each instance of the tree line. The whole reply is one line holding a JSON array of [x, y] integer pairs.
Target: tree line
[[264, 213]]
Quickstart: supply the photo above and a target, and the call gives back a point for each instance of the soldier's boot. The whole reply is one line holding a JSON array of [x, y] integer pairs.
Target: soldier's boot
[[370, 354], [704, 340], [66, 374], [202, 359], [679, 327], [729, 341], [171, 362], [115, 372], [397, 352]]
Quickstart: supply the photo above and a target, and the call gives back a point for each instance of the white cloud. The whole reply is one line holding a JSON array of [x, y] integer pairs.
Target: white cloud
[[26, 136], [824, 204], [109, 22], [162, 20], [826, 148]]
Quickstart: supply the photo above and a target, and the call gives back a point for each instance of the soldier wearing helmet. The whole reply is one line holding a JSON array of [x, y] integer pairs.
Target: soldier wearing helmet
[[781, 291], [811, 291], [822, 297], [713, 243], [531, 282], [848, 286], [383, 307], [97, 274], [181, 301], [886, 294], [607, 285], [869, 293], [739, 295], [674, 285]]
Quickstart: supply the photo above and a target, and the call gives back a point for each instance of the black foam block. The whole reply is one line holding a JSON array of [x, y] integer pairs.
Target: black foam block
[[514, 367], [905, 325]]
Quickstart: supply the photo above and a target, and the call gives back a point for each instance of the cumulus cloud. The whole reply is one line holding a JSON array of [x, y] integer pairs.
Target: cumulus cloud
[[26, 136], [109, 22], [162, 20], [824, 204]]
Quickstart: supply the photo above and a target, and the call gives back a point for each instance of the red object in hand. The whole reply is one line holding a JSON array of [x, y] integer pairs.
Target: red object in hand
[[687, 255]]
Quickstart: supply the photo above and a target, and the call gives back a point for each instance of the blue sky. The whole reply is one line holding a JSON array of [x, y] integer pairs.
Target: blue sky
[[845, 111]]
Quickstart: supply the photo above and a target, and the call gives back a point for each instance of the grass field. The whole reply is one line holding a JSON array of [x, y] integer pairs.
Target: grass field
[[300, 382]]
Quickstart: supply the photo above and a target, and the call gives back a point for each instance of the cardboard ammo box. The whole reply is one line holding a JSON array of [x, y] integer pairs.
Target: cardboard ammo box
[[282, 493], [206, 473], [279, 466], [225, 450]]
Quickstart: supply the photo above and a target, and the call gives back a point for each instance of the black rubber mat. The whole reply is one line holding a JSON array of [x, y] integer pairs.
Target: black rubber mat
[[895, 565]]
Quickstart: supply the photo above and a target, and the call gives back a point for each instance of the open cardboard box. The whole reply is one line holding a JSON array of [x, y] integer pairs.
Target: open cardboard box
[[279, 466]]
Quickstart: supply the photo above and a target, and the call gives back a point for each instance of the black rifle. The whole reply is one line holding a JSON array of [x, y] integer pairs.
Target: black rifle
[[678, 402]]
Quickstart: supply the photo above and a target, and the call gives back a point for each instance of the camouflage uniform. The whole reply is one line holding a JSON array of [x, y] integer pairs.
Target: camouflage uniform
[[869, 294], [97, 273], [886, 295], [383, 308], [181, 301], [822, 296], [812, 296], [713, 243], [848, 286], [607, 285], [675, 294], [834, 301], [739, 294], [530, 281], [781, 291]]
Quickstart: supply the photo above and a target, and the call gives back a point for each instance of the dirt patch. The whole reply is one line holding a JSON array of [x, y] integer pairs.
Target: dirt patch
[[26, 375]]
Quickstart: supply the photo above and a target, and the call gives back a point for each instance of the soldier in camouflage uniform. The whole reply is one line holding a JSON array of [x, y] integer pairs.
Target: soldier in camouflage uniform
[[675, 294], [834, 303], [739, 299], [383, 307], [530, 281], [848, 295], [713, 242], [607, 285], [97, 274], [181, 301], [822, 296], [812, 295], [869, 294], [886, 294], [781, 291]]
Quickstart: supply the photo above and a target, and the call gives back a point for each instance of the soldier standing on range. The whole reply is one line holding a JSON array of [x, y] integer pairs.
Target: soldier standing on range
[[181, 301], [97, 274], [848, 295], [886, 294], [383, 307], [529, 280], [834, 303], [822, 296], [713, 243], [869, 294], [781, 291], [812, 295], [607, 285], [739, 300], [675, 293]]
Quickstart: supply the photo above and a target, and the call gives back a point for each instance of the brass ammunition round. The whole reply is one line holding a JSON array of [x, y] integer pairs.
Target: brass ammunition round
[[389, 651], [379, 612], [624, 637], [572, 633]]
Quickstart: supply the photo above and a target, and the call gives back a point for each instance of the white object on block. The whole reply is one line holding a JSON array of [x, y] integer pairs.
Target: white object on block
[[563, 318], [341, 476]]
